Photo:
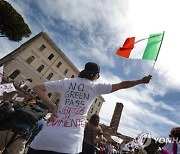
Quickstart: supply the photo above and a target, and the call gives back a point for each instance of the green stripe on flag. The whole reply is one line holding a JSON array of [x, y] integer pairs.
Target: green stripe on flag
[[153, 45]]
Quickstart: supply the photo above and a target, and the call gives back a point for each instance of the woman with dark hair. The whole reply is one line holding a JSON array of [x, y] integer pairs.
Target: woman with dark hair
[[64, 131], [94, 120], [91, 132], [175, 134], [174, 146]]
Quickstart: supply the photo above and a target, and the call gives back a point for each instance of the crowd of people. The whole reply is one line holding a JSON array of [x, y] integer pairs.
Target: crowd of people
[[66, 130]]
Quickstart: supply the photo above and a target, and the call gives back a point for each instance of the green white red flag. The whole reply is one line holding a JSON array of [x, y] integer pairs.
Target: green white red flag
[[146, 48]]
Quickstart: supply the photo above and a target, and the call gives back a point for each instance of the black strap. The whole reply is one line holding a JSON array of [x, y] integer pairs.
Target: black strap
[[16, 135], [13, 138]]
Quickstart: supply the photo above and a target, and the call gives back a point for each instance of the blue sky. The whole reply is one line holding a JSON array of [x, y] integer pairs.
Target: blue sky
[[93, 31]]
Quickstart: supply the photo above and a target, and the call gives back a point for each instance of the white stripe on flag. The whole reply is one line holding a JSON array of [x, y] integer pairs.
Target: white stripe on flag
[[139, 48]]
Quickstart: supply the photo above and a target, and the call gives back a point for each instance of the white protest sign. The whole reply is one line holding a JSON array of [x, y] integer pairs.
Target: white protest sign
[[8, 87], [1, 73]]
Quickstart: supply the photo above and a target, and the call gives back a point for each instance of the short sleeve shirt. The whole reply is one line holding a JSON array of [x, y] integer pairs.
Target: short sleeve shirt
[[66, 133]]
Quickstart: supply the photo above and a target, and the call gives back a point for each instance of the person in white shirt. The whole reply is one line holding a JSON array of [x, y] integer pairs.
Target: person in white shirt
[[64, 131]]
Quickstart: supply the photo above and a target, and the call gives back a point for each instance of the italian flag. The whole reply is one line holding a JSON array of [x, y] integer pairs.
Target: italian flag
[[136, 48]]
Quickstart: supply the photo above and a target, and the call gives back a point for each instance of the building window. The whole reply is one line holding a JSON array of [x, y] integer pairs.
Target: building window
[[25, 83], [66, 71], [95, 100], [99, 104], [42, 47], [14, 74], [59, 64], [92, 110], [50, 76], [40, 68], [72, 76], [49, 95], [30, 59], [50, 56], [30, 80]]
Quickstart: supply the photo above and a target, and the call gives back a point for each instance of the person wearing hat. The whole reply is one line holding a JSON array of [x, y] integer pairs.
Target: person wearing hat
[[64, 131]]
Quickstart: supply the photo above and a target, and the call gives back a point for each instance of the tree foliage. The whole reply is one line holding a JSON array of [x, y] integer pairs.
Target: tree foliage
[[12, 24]]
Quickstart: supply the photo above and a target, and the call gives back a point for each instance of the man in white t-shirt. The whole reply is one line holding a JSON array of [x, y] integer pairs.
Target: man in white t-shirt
[[64, 131]]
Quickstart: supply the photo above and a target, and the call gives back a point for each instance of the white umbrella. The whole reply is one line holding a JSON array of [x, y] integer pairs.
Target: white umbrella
[[116, 139]]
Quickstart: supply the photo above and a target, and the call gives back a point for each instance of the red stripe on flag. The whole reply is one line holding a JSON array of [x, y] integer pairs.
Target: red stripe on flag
[[125, 50]]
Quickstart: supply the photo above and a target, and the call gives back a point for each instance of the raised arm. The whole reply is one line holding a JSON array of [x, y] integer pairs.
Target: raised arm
[[40, 90], [129, 84]]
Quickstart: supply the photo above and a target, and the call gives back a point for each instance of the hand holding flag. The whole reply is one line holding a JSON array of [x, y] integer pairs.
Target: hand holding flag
[[146, 79]]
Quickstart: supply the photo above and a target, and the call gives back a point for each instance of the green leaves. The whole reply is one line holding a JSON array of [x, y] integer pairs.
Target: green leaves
[[12, 24]]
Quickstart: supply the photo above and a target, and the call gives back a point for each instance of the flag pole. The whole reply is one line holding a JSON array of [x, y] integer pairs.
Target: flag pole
[[157, 53]]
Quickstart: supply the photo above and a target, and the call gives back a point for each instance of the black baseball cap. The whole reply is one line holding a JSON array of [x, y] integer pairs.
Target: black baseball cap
[[92, 67]]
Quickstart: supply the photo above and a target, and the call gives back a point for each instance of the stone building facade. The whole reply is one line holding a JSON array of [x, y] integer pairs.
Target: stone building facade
[[39, 60]]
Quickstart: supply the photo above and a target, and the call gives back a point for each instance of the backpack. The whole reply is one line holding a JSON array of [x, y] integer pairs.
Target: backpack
[[30, 114], [6, 110]]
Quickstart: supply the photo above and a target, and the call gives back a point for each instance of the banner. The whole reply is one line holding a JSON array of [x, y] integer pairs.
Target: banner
[[1, 73], [8, 87]]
